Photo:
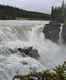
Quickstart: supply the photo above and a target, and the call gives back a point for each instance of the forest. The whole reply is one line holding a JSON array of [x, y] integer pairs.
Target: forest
[[9, 12], [59, 13]]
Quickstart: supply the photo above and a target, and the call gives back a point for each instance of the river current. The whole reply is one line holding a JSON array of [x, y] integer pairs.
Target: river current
[[25, 33]]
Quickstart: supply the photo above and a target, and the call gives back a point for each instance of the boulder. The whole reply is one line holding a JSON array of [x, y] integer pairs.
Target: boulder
[[29, 52], [33, 53], [25, 50], [51, 31]]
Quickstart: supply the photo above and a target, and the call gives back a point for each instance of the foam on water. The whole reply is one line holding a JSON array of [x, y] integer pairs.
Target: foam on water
[[20, 34]]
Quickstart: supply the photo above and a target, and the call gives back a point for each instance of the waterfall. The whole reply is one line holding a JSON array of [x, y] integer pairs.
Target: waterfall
[[25, 33], [60, 35]]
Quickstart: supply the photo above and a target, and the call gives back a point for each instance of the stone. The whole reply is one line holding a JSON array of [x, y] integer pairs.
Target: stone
[[51, 31], [29, 52]]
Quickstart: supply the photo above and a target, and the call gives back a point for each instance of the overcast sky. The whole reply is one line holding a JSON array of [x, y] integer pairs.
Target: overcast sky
[[34, 5]]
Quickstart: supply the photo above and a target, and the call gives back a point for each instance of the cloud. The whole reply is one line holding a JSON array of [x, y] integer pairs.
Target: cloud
[[34, 5]]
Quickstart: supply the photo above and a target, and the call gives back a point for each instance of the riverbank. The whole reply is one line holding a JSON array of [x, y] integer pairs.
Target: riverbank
[[58, 73]]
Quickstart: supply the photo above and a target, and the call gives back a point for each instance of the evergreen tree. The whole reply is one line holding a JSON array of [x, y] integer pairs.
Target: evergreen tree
[[57, 13]]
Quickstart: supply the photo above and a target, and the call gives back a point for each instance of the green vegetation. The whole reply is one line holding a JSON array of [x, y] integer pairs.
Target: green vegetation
[[58, 73], [8, 12], [59, 13], [22, 77]]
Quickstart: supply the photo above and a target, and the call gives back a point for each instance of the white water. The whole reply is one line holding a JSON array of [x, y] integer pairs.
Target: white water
[[23, 33], [60, 35]]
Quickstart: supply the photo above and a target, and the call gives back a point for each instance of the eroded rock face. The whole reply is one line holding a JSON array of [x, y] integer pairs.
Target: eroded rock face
[[64, 33], [51, 31]]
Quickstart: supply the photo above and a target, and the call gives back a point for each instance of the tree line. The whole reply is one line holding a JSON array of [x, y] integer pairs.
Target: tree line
[[59, 13], [8, 12]]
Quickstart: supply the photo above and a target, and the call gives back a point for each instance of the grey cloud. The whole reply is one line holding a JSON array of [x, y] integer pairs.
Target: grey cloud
[[34, 5]]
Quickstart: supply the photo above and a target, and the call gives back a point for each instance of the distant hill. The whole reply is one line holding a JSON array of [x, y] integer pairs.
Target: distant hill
[[8, 12]]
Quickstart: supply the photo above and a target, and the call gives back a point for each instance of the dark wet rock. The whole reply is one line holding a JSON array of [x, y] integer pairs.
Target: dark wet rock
[[24, 63], [64, 33], [29, 52], [15, 51], [34, 53], [51, 31], [24, 52], [20, 50]]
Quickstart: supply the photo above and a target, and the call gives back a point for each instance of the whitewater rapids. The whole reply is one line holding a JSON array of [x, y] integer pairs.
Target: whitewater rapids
[[26, 33]]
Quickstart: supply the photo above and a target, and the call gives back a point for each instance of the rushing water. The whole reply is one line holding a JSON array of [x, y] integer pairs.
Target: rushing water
[[25, 33], [60, 35]]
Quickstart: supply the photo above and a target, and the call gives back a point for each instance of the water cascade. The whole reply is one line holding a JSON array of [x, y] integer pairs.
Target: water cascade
[[60, 35], [22, 34]]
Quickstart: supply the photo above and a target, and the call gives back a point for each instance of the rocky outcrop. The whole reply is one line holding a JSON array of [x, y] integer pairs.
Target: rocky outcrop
[[51, 31], [64, 33], [24, 52], [29, 52]]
